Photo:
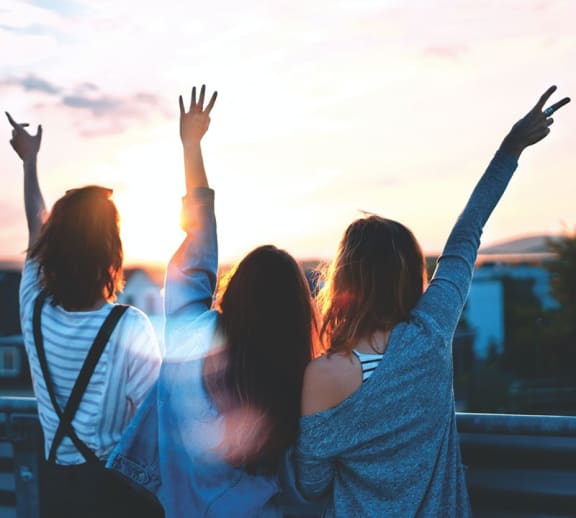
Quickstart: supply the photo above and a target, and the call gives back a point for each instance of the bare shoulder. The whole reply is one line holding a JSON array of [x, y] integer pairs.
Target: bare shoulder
[[329, 380]]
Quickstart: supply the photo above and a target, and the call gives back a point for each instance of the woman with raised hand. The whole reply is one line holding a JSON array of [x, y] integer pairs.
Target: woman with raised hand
[[378, 433], [92, 361], [211, 439]]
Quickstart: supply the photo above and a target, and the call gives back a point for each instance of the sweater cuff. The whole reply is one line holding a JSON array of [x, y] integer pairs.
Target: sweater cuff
[[198, 195], [506, 159], [196, 209]]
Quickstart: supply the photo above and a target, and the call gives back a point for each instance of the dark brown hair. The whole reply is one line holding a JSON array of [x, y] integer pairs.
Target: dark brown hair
[[374, 282], [79, 251], [267, 324]]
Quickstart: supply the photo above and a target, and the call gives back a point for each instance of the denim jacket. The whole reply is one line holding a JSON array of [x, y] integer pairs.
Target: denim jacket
[[170, 446]]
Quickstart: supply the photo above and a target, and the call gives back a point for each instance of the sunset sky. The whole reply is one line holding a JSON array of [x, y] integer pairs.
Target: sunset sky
[[326, 108]]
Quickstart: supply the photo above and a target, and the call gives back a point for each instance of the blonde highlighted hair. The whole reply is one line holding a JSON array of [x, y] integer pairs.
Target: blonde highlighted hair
[[375, 280]]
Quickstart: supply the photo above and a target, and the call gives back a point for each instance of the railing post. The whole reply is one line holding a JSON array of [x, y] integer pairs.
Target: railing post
[[23, 430]]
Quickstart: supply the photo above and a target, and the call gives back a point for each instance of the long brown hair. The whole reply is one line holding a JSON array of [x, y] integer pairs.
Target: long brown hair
[[79, 251], [374, 282], [267, 325]]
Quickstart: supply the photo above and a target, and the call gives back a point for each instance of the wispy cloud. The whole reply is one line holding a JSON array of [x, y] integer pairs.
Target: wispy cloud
[[99, 106], [31, 83], [27, 30], [110, 113], [61, 7]]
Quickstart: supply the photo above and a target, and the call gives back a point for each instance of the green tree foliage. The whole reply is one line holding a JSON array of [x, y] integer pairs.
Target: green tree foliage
[[563, 271], [523, 322], [561, 323]]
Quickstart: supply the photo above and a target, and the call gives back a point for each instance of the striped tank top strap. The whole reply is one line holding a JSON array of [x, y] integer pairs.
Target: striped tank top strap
[[368, 362]]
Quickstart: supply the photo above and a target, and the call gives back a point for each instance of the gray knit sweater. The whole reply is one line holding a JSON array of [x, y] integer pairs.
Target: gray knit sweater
[[391, 449]]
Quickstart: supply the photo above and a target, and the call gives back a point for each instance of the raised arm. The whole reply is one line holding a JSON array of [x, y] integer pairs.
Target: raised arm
[[27, 147], [191, 275], [193, 126], [445, 297]]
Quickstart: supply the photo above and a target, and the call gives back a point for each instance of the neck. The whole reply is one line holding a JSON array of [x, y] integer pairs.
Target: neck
[[375, 343]]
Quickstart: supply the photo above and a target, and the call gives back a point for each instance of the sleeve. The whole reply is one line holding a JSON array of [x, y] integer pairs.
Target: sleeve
[[292, 494], [144, 357], [191, 274], [29, 288], [313, 473], [136, 455], [446, 294]]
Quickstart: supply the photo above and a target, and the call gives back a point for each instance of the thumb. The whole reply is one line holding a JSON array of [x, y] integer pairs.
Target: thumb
[[39, 131]]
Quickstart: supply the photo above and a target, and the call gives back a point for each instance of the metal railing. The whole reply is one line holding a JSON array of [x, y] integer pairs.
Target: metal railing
[[20, 427], [517, 465]]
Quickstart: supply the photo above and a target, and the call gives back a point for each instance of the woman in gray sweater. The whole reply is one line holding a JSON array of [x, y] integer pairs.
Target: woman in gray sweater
[[378, 432]]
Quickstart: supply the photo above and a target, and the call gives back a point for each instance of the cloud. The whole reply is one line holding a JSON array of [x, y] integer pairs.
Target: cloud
[[61, 7], [99, 106], [111, 114], [27, 30], [32, 83]]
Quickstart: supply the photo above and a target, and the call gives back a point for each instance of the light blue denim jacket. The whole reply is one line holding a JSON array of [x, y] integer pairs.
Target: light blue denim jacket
[[169, 447]]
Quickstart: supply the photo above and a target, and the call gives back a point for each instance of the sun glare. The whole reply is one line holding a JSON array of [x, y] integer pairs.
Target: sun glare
[[148, 199]]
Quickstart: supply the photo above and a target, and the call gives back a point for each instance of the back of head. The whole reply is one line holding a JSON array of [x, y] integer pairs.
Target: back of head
[[79, 251], [267, 320], [374, 282]]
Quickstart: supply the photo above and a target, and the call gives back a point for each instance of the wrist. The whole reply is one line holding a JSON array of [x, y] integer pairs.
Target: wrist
[[29, 159], [191, 145], [511, 148]]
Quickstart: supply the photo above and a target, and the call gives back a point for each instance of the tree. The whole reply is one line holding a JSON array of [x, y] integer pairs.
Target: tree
[[561, 328], [563, 271]]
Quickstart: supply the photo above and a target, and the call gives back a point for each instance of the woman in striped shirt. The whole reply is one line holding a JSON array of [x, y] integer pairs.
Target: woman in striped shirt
[[75, 258]]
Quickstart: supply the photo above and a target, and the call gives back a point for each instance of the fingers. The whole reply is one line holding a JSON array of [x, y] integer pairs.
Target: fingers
[[545, 96], [198, 106], [537, 136], [192, 99], [556, 106], [201, 98], [210, 104], [11, 120], [15, 124]]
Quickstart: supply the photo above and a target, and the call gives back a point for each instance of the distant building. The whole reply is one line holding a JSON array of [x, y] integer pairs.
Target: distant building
[[9, 308], [14, 370], [143, 289], [484, 310], [484, 313]]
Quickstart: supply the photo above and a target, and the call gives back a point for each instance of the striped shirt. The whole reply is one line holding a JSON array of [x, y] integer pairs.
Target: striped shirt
[[125, 372], [368, 362]]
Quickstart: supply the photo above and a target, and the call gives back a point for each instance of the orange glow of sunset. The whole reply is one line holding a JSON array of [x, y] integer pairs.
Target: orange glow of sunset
[[325, 109]]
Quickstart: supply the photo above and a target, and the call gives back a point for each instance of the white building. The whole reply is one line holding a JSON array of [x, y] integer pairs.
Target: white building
[[143, 289]]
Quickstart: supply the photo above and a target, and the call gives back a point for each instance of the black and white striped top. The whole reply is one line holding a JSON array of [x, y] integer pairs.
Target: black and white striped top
[[127, 369], [368, 362]]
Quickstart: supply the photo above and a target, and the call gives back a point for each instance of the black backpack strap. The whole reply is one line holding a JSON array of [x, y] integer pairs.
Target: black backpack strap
[[66, 416], [39, 343], [82, 381]]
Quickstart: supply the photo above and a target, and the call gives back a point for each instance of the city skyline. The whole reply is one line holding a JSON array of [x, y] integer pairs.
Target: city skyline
[[325, 109]]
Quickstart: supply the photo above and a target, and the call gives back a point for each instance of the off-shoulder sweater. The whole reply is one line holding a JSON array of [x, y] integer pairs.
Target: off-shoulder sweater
[[391, 448]]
